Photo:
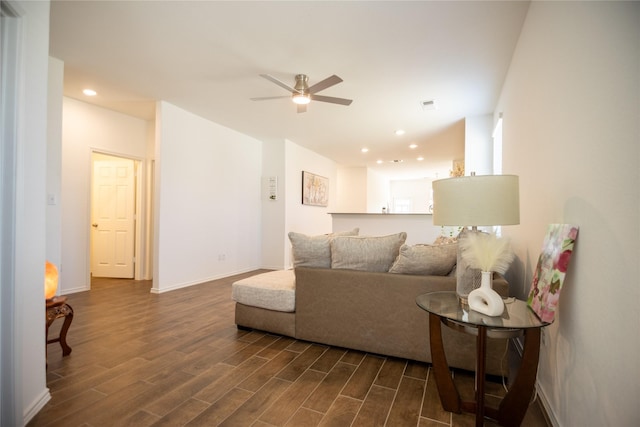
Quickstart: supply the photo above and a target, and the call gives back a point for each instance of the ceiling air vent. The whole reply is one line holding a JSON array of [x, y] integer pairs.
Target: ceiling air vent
[[429, 104]]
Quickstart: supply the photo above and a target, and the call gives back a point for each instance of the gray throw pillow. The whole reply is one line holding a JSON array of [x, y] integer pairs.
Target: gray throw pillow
[[366, 253], [314, 251], [429, 260]]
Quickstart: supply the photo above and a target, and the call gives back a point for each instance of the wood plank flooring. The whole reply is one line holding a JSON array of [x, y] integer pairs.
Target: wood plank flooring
[[177, 359]]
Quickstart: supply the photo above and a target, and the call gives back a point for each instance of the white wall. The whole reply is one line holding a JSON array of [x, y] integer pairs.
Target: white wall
[[351, 189], [361, 190], [23, 200], [274, 238], [478, 145], [88, 128], [54, 161], [207, 200], [301, 218], [419, 191], [378, 192], [571, 132]]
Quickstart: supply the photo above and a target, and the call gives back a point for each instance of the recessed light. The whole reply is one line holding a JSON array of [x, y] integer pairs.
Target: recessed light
[[379, 162], [412, 146], [365, 150], [420, 158], [400, 132], [90, 92]]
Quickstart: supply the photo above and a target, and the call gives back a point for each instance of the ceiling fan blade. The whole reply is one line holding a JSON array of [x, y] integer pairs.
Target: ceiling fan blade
[[264, 98], [331, 99], [278, 82], [322, 85], [302, 108]]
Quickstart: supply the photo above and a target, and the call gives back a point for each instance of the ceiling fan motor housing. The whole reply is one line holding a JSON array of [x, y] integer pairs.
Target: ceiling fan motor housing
[[301, 83]]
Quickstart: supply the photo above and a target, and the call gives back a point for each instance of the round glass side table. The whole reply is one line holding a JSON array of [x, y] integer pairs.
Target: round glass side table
[[516, 320]]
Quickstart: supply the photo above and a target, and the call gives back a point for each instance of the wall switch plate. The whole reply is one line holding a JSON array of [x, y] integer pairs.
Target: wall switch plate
[[273, 188]]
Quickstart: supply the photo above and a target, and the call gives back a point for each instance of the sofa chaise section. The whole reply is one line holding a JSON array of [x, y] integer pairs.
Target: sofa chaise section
[[266, 302]]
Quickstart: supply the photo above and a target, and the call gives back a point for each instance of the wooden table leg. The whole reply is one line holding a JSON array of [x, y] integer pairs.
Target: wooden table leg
[[515, 404], [68, 318], [56, 309], [449, 396]]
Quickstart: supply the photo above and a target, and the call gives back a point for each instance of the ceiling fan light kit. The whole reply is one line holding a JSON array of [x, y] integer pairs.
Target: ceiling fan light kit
[[301, 98], [302, 93]]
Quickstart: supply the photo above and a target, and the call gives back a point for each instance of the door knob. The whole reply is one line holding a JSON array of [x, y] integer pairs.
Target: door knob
[[94, 225]]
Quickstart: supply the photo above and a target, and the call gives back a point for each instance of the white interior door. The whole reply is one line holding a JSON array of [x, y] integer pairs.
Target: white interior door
[[113, 218]]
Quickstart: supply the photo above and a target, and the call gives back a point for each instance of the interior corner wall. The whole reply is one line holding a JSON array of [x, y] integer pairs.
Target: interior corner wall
[[478, 145], [378, 191], [86, 128], [301, 218], [54, 161], [207, 198], [148, 190], [570, 131], [351, 189]]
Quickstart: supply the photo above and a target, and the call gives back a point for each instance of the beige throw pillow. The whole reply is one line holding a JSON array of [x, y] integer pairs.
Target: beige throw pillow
[[444, 240], [428, 260], [366, 253], [314, 251]]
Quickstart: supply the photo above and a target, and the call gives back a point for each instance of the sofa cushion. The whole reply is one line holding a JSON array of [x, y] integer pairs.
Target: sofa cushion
[[366, 253], [314, 251], [430, 260], [274, 290]]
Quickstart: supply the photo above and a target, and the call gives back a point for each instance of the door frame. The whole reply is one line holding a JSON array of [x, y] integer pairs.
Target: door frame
[[140, 244], [12, 70]]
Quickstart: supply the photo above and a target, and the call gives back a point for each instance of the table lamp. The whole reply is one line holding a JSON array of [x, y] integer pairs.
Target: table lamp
[[476, 200], [50, 280]]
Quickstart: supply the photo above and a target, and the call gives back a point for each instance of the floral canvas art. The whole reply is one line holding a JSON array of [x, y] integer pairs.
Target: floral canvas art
[[551, 270], [315, 189]]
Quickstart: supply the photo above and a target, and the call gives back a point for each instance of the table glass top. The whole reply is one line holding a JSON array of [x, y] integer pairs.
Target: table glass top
[[516, 314]]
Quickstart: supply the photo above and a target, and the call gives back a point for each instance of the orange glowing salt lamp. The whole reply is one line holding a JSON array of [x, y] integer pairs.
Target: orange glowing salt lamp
[[50, 280]]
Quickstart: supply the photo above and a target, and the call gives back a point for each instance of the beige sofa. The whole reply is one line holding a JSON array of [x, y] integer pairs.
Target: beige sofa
[[373, 312]]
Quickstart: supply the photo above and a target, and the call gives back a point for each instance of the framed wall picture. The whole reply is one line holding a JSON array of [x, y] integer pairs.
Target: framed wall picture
[[315, 189]]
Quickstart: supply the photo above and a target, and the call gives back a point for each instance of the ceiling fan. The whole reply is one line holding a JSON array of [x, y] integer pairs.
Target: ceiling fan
[[302, 93]]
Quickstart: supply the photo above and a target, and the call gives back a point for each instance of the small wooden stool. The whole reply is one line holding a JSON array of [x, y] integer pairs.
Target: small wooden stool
[[57, 307]]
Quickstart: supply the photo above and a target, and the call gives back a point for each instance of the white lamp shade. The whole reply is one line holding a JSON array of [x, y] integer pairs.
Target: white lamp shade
[[482, 200]]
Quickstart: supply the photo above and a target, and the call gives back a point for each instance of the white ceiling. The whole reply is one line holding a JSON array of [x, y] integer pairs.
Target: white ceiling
[[206, 57]]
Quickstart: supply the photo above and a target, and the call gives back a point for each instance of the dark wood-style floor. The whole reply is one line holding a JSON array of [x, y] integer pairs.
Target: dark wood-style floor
[[177, 359]]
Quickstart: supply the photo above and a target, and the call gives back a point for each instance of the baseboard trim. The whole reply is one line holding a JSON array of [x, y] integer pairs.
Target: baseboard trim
[[200, 281], [545, 405], [39, 403]]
